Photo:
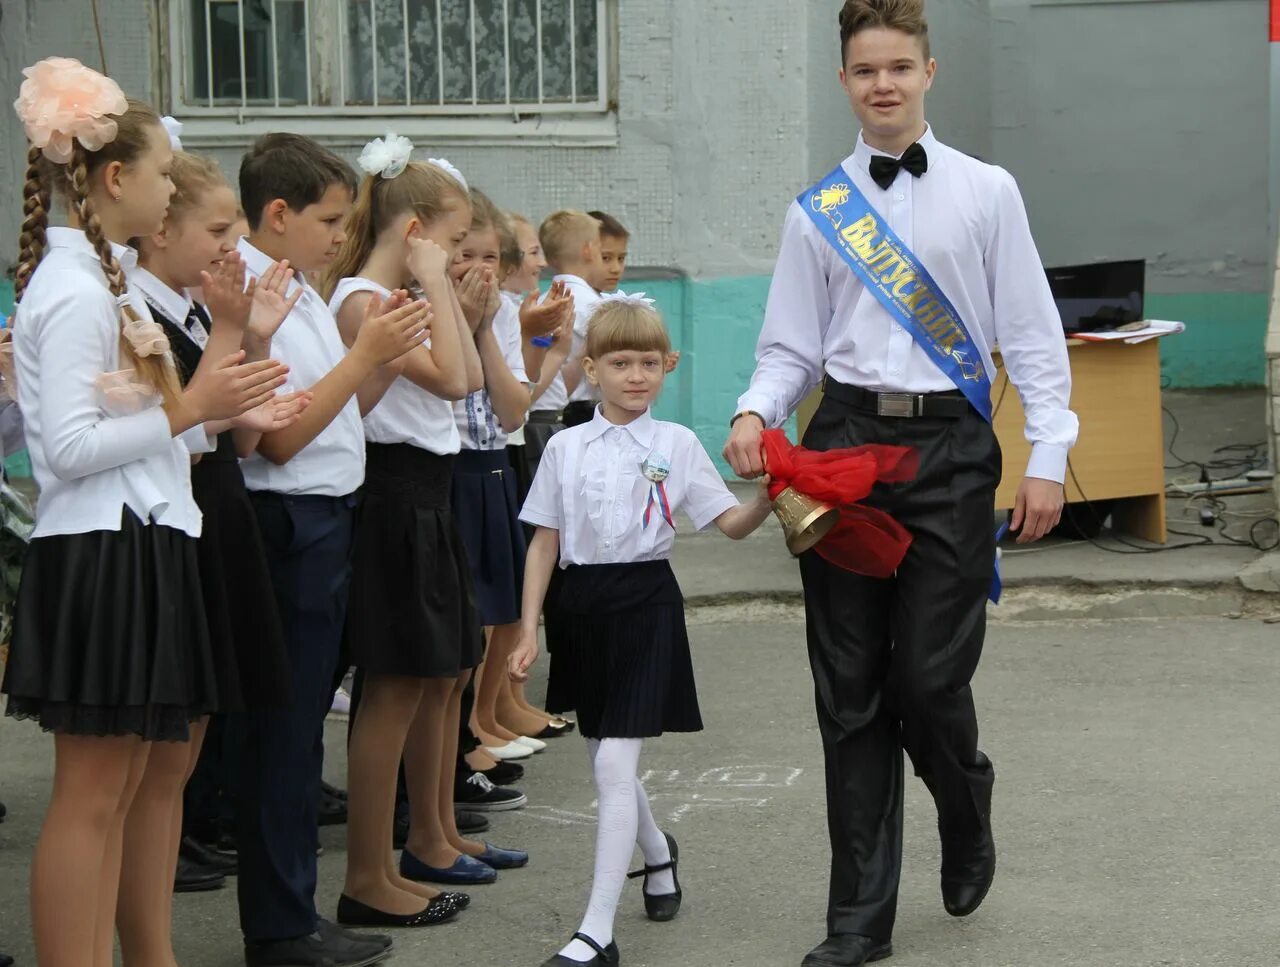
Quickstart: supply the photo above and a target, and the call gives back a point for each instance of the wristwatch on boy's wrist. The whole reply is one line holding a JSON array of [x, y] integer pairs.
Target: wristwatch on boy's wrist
[[740, 415]]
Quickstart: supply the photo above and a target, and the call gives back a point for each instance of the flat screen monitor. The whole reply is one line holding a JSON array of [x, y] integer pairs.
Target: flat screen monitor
[[1099, 296]]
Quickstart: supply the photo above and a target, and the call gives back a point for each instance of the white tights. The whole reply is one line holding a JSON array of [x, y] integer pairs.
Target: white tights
[[623, 819]]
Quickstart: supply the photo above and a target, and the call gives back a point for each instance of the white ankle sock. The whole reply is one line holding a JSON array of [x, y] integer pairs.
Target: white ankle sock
[[614, 763]]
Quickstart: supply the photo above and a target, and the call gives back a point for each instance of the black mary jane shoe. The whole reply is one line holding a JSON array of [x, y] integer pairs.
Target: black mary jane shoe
[[604, 957], [353, 913], [664, 906]]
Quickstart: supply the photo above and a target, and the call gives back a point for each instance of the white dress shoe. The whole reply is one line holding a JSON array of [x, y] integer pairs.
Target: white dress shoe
[[537, 745], [508, 752]]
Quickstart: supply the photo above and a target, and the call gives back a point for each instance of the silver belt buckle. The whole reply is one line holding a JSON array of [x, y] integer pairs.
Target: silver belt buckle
[[897, 404]]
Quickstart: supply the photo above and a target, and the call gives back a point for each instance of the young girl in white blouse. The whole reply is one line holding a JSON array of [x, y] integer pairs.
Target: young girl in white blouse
[[94, 659], [603, 503]]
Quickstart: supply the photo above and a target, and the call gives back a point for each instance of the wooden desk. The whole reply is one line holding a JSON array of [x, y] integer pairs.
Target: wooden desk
[[1120, 453]]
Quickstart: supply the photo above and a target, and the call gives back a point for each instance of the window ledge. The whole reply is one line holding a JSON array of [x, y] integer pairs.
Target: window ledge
[[205, 131]]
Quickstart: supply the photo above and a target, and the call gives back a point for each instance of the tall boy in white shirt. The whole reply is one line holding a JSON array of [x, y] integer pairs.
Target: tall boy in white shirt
[[302, 481], [900, 332]]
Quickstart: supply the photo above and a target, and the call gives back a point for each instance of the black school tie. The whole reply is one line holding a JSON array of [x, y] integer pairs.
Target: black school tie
[[884, 169], [197, 321]]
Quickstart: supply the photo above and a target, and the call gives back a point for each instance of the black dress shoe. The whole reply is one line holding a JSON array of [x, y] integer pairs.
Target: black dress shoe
[[203, 856], [847, 950], [327, 928], [332, 810], [357, 914], [664, 906], [333, 792], [193, 878], [968, 867], [320, 949], [470, 822], [6, 960], [604, 955]]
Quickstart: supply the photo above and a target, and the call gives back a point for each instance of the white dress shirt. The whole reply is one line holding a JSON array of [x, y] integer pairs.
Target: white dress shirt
[[591, 488], [966, 223], [176, 306], [585, 299], [406, 413], [92, 455], [331, 465], [477, 422]]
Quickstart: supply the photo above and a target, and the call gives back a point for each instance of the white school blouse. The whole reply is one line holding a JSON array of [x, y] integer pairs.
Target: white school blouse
[[585, 299], [331, 465], [406, 413], [590, 487], [477, 423], [91, 455], [966, 223]]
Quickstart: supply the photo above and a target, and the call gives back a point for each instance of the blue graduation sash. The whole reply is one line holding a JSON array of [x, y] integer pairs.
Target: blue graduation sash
[[893, 274]]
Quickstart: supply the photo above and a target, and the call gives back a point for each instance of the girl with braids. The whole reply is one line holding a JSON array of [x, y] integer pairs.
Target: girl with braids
[[196, 248], [110, 643], [412, 628]]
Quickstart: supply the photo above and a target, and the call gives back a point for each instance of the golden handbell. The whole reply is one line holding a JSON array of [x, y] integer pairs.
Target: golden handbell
[[805, 521]]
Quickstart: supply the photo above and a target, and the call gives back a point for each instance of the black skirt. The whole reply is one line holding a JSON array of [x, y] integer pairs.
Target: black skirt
[[484, 505], [249, 653], [110, 636], [412, 609], [623, 662]]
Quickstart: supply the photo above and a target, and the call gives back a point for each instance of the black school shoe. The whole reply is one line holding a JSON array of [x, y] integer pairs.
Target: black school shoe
[[192, 877], [503, 774], [468, 823], [332, 811], [604, 955], [479, 794], [323, 948], [202, 855]]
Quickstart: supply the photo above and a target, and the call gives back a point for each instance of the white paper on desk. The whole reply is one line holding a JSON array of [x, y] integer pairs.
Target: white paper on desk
[[1151, 329]]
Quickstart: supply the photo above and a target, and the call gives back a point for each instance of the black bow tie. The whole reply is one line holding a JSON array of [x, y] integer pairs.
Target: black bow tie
[[884, 169]]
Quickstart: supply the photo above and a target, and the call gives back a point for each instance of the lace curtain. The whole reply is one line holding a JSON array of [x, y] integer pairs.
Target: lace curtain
[[457, 50]]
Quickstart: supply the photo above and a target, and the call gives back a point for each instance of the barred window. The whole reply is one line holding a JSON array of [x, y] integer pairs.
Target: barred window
[[258, 58]]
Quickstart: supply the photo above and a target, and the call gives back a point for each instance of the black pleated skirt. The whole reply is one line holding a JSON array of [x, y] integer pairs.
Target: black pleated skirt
[[412, 609], [110, 636], [623, 659], [249, 653], [488, 515]]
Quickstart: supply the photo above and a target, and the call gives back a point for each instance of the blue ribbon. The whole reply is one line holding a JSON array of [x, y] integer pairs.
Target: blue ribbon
[[997, 580], [892, 273]]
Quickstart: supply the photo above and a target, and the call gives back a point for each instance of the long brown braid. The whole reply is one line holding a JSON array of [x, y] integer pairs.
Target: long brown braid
[[36, 199]]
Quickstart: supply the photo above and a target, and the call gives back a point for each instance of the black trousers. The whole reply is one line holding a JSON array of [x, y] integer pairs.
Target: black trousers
[[308, 544], [892, 658]]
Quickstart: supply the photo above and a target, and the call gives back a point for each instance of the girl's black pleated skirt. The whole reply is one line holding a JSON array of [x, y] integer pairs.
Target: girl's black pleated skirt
[[250, 659], [488, 515], [110, 636], [623, 659], [412, 609]]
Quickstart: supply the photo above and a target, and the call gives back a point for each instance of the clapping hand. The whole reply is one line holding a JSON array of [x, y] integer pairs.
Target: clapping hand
[[275, 414], [225, 295], [271, 302], [542, 318]]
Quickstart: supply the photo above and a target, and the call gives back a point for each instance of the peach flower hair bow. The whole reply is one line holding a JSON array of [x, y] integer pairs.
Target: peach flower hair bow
[[62, 101]]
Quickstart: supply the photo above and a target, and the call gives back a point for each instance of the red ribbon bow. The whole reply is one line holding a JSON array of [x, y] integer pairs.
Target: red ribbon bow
[[866, 540]]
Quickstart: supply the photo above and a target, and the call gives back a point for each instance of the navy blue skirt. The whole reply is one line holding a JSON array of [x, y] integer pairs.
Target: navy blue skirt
[[488, 515], [622, 660]]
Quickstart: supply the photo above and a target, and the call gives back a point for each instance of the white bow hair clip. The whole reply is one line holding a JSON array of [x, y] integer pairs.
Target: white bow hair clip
[[448, 167], [173, 127], [387, 156], [632, 298]]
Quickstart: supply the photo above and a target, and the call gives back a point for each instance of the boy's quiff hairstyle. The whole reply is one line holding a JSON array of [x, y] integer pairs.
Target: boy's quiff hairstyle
[[563, 234], [291, 167], [610, 227], [618, 325], [906, 16]]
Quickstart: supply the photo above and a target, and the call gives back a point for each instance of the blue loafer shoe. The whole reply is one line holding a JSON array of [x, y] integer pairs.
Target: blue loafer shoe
[[465, 871], [503, 859]]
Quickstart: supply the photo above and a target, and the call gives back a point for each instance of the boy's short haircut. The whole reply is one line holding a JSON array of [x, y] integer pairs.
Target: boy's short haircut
[[906, 16], [610, 227], [621, 325], [291, 167], [563, 234]]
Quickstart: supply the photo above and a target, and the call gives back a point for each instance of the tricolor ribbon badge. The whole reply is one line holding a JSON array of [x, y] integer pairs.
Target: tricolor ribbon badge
[[656, 468]]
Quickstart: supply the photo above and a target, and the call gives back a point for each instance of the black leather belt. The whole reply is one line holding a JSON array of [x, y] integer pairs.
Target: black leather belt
[[951, 405], [544, 416]]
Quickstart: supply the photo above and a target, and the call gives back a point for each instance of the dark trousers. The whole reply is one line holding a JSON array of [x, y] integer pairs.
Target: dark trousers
[[892, 658], [308, 544], [206, 800]]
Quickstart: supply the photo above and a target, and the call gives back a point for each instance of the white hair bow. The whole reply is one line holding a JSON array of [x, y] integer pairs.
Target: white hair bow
[[633, 298], [387, 156], [173, 127], [446, 166]]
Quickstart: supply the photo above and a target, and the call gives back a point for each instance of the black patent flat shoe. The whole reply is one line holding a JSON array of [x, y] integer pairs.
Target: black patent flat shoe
[[605, 956], [353, 913], [664, 906]]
